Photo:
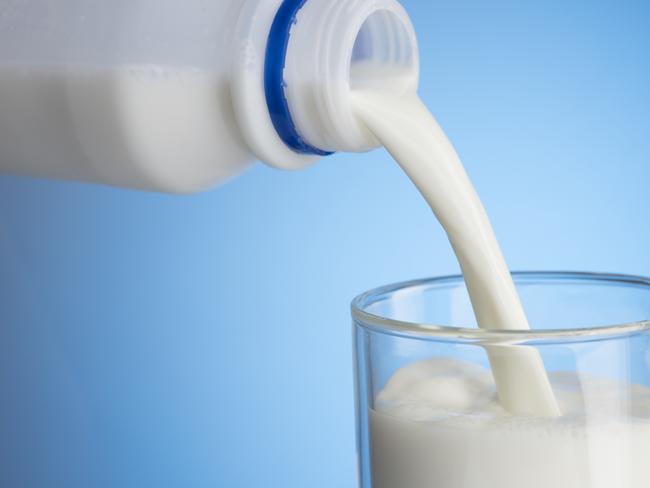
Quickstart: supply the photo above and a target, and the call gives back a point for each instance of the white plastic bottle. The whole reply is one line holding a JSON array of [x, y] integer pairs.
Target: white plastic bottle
[[179, 95]]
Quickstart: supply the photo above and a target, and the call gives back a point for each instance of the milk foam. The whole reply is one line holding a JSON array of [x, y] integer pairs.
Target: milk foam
[[438, 424]]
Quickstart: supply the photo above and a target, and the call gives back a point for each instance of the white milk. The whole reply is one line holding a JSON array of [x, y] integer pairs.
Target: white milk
[[142, 126], [409, 132], [437, 424]]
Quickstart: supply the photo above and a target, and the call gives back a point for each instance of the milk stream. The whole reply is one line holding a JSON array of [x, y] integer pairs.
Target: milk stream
[[410, 133], [437, 424]]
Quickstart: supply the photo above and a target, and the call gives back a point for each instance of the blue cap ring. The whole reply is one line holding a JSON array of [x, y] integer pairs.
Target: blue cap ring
[[274, 85]]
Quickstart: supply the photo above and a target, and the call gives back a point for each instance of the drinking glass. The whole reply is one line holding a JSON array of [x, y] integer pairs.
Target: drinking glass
[[593, 334]]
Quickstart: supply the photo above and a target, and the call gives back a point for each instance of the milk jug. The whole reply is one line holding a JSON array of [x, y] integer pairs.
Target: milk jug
[[180, 95]]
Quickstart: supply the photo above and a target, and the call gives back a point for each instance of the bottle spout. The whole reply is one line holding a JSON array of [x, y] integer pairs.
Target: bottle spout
[[337, 47], [297, 64]]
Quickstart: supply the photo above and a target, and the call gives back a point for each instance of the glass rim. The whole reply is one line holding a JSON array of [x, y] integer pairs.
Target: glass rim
[[427, 331]]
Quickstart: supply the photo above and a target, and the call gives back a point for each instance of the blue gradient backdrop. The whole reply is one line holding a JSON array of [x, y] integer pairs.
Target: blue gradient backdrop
[[158, 341]]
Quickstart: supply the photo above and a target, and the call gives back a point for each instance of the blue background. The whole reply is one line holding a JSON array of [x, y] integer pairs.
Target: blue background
[[159, 341]]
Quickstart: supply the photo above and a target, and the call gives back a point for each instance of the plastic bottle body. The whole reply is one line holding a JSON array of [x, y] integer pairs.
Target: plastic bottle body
[[128, 93], [153, 94]]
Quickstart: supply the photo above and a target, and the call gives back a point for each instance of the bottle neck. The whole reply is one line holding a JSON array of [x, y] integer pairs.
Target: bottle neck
[[336, 46], [296, 63], [275, 86]]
